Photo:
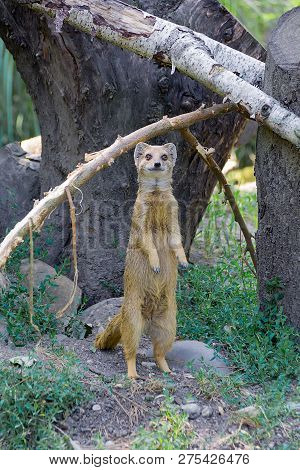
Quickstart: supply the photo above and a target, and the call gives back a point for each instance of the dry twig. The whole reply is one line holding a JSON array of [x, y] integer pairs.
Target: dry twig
[[207, 156], [30, 280], [74, 253]]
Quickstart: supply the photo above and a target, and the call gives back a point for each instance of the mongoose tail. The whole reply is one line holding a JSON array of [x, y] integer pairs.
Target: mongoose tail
[[109, 338]]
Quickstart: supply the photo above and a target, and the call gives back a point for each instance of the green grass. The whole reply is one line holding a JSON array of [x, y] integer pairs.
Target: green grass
[[14, 308], [33, 400], [14, 300], [171, 431], [218, 234], [218, 305], [275, 426]]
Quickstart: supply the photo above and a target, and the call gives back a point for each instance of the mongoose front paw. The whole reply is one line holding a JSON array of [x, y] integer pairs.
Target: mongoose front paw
[[184, 265], [156, 269]]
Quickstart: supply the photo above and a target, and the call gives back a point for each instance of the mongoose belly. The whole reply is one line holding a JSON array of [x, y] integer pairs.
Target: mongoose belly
[[139, 272]]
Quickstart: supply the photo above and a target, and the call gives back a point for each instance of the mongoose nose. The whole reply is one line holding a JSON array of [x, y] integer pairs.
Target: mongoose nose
[[157, 164]]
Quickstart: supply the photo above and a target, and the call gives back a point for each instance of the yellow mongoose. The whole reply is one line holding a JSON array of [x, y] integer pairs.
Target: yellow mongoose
[[153, 252]]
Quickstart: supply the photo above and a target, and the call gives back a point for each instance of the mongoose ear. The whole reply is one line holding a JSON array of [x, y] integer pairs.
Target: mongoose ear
[[138, 151], [171, 149]]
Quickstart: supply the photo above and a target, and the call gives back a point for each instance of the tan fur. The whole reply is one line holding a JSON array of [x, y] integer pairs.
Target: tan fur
[[153, 252]]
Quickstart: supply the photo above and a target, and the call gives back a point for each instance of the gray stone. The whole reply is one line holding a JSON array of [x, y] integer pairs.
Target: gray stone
[[192, 410], [60, 292], [19, 186], [96, 408], [148, 364], [195, 353], [99, 314], [207, 411]]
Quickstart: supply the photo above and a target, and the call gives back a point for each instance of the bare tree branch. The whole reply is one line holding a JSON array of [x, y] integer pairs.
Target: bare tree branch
[[206, 155], [96, 162]]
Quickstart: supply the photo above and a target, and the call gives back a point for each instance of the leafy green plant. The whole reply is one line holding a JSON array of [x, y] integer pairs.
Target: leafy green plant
[[33, 400], [169, 432], [219, 305], [14, 300], [14, 308], [218, 234]]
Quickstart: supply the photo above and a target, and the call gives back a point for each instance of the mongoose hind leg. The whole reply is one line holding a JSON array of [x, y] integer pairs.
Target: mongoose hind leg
[[163, 331], [161, 362], [131, 331]]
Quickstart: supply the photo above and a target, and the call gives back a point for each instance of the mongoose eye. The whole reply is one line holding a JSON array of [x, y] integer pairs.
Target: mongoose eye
[[148, 156], [164, 157]]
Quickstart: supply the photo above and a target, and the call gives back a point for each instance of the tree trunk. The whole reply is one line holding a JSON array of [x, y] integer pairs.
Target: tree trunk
[[278, 173], [222, 70], [86, 92]]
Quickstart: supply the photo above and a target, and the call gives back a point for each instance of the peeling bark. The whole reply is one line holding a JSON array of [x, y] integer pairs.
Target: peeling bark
[[176, 46]]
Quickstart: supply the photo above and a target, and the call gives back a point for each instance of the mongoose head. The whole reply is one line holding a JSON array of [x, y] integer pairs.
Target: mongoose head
[[155, 161]]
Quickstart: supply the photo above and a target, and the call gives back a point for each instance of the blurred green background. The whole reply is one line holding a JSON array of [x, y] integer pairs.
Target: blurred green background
[[18, 120]]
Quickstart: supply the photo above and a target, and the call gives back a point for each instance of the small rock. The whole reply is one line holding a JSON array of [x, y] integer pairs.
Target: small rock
[[293, 406], [189, 376], [178, 401], [75, 445], [159, 397], [227, 328], [99, 314], [220, 410], [25, 361], [187, 352], [192, 410], [207, 411], [148, 364], [59, 290], [249, 411], [109, 444], [96, 408]]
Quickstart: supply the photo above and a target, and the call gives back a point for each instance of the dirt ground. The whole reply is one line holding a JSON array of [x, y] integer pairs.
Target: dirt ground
[[120, 407], [124, 406]]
